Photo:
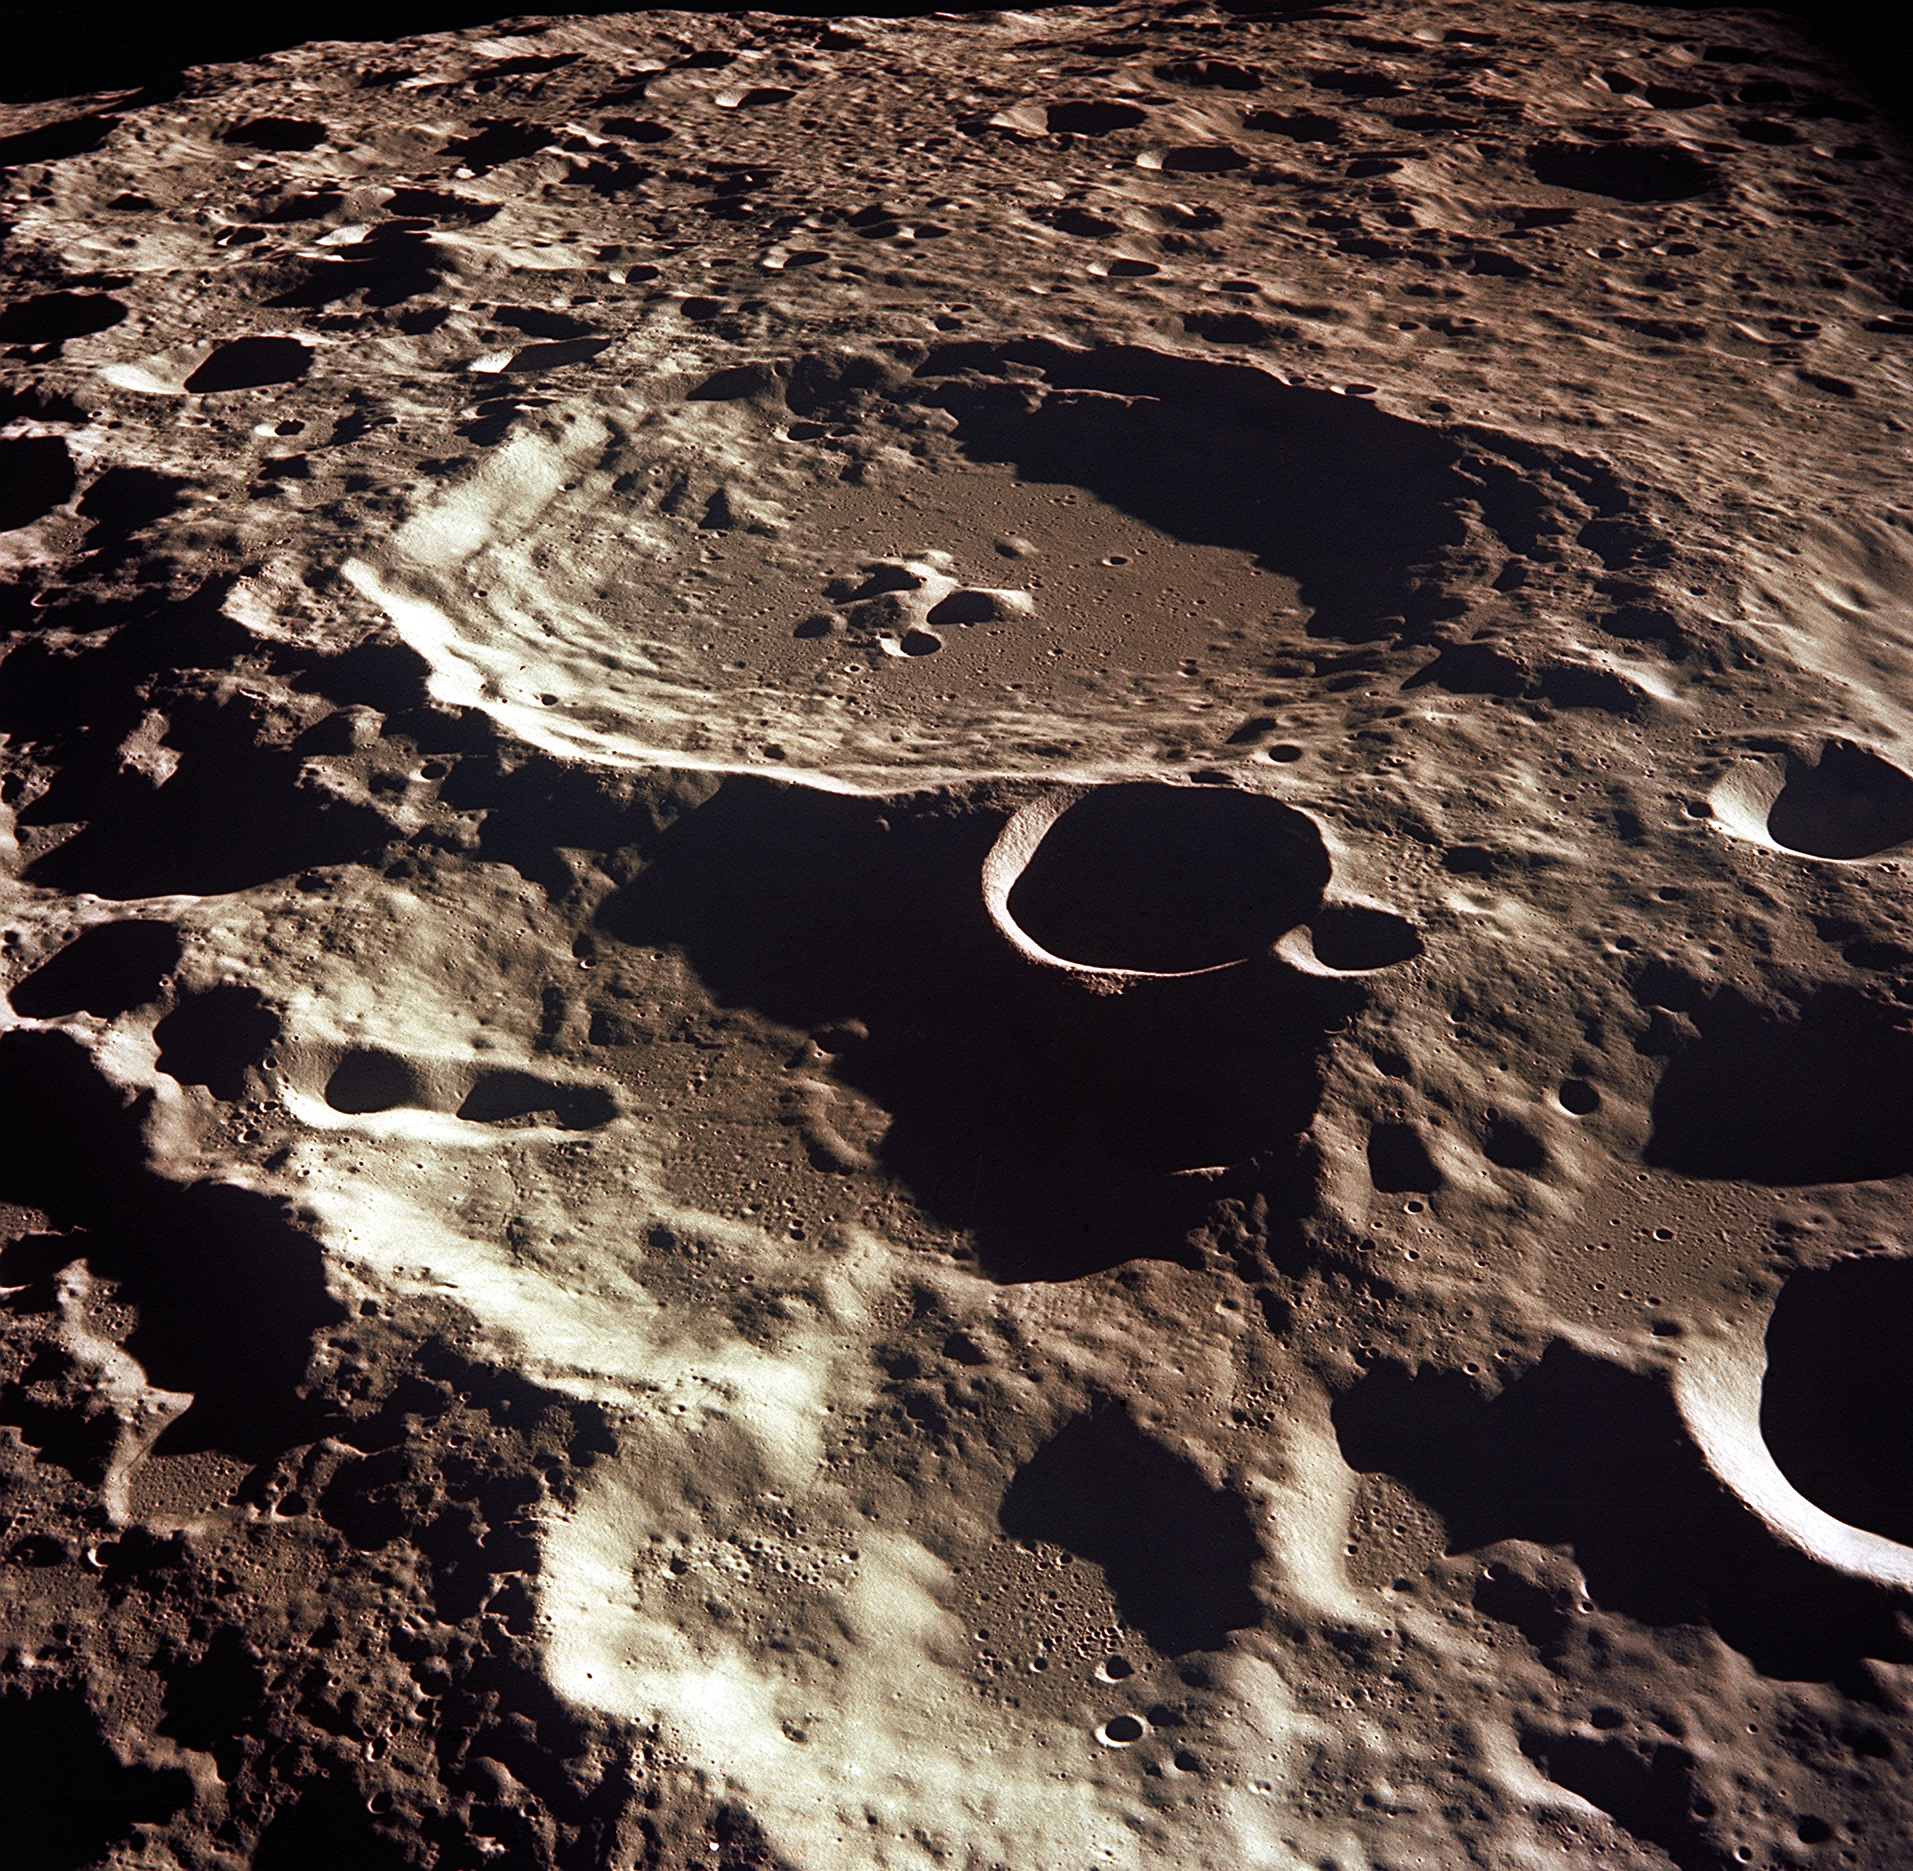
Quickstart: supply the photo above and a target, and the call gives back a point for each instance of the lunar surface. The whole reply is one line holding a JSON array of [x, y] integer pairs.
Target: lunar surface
[[968, 944]]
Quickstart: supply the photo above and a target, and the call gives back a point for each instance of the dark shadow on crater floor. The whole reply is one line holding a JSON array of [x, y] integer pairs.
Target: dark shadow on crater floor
[[1046, 1120], [327, 1825], [65, 1797], [1636, 172], [229, 818], [1648, 1788], [1836, 1408], [1823, 1096], [1356, 505], [1169, 879], [1849, 804], [1351, 936], [1398, 1161], [229, 1292], [1582, 1453], [1178, 1555], [212, 1038], [36, 475], [108, 969]]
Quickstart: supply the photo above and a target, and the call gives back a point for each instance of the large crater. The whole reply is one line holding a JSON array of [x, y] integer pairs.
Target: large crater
[[1163, 879], [1013, 558], [1836, 1407]]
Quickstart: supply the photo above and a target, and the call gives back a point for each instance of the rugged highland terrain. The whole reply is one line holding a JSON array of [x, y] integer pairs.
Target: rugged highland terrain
[[978, 943]]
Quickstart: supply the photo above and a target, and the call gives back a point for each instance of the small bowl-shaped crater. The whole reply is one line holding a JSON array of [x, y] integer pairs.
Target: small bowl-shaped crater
[[1850, 804], [1151, 878], [1836, 1404], [1122, 1731], [366, 1080], [1351, 938]]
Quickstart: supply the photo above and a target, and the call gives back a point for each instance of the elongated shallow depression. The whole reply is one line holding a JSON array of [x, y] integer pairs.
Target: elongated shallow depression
[[1162, 879]]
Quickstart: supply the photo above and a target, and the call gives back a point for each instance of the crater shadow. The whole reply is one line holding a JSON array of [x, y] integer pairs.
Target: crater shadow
[[1635, 172], [1046, 1119], [229, 1292], [1836, 1406], [1849, 804], [229, 818], [1398, 1161], [106, 970], [1356, 505], [1091, 117], [1826, 1096], [1351, 937], [368, 1080], [1582, 1453], [1178, 1555], [251, 364], [505, 1097], [53, 317], [1169, 879], [67, 1796], [36, 475], [212, 1038]]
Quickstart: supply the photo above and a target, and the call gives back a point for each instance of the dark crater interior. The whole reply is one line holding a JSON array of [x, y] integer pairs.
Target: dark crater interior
[[1177, 1553], [1047, 1120], [1169, 879], [1849, 804], [1837, 1404], [1819, 1093]]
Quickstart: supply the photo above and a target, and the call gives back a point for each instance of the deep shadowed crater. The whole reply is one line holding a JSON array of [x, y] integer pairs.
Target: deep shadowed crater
[[1169, 879], [251, 364], [1178, 1554], [228, 1290], [1580, 1454], [367, 1080], [108, 969], [1819, 1093], [1354, 937], [67, 1796], [1638, 172], [1848, 804], [1051, 1122], [1836, 1407], [212, 1038]]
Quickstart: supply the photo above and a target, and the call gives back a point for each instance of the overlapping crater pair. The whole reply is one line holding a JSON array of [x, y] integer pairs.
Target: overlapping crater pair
[[1125, 1021], [1145, 881]]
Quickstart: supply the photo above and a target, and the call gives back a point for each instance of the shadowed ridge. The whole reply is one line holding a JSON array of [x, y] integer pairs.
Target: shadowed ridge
[[229, 1291]]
